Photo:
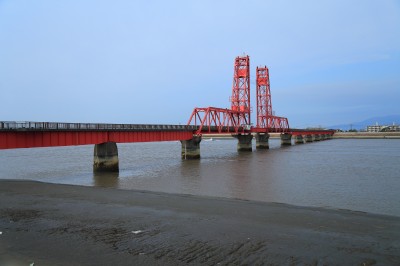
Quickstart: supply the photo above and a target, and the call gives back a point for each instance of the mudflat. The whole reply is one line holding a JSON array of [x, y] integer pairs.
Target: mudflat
[[53, 224]]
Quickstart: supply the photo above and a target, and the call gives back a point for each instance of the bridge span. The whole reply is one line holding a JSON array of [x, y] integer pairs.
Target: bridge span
[[235, 120], [47, 134], [105, 137]]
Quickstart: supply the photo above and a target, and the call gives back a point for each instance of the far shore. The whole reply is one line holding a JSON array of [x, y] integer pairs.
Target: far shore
[[366, 135], [54, 224]]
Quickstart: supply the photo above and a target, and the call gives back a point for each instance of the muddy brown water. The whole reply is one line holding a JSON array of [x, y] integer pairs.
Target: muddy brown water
[[354, 174]]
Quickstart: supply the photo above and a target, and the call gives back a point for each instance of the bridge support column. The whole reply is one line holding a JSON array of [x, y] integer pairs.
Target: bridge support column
[[244, 142], [317, 137], [286, 139], [262, 141], [323, 137], [191, 148], [308, 138], [106, 157], [298, 139]]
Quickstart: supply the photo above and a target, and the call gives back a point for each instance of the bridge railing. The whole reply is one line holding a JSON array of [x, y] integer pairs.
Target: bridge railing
[[56, 126]]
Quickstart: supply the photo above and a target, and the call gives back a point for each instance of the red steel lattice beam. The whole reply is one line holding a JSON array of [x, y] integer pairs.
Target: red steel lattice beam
[[216, 120], [237, 119], [234, 120], [263, 95], [240, 100], [266, 120]]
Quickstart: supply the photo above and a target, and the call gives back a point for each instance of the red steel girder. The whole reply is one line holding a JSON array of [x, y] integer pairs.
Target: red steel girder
[[235, 120], [263, 95], [275, 124], [240, 99], [303, 132], [216, 120], [266, 120], [30, 139]]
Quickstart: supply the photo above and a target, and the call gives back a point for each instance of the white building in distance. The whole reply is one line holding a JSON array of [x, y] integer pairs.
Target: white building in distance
[[383, 128]]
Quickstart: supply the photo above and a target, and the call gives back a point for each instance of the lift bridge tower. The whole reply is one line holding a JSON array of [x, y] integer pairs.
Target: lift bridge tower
[[240, 99], [266, 120], [237, 120]]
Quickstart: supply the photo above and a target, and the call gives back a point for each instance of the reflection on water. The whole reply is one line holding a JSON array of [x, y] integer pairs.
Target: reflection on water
[[106, 179], [351, 174]]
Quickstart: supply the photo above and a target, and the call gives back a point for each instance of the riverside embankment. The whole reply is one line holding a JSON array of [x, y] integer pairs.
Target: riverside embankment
[[366, 135]]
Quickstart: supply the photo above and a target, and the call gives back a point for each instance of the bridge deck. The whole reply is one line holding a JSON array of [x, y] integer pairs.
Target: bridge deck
[[55, 126], [46, 134]]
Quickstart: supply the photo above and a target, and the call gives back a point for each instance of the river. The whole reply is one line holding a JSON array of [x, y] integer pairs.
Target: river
[[355, 174]]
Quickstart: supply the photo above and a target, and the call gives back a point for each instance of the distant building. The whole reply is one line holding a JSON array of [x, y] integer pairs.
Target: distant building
[[383, 128]]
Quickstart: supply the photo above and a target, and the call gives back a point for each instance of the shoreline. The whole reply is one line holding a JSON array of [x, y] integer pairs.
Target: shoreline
[[66, 224]]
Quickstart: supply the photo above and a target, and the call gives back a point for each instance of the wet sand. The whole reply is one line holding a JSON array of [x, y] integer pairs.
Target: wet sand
[[51, 224]]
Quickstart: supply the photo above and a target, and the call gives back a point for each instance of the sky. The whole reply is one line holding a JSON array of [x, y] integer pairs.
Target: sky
[[151, 62]]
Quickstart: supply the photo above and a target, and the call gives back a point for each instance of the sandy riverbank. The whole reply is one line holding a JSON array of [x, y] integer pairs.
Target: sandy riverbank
[[51, 224]]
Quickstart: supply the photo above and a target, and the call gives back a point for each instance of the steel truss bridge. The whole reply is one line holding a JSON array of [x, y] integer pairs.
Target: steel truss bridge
[[235, 120]]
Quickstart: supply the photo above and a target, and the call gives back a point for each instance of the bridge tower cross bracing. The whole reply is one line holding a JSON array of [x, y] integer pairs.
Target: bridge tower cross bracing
[[240, 99], [266, 120], [263, 95]]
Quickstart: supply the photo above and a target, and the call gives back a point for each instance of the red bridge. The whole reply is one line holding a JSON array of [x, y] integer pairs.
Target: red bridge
[[206, 120], [239, 115], [45, 134]]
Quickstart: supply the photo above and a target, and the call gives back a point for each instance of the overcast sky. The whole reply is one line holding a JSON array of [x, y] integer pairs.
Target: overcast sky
[[330, 62]]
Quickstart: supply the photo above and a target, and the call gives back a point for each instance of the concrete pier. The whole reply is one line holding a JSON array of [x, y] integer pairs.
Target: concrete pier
[[262, 141], [317, 137], [244, 142], [105, 157], [308, 138], [286, 139], [191, 148], [298, 139]]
